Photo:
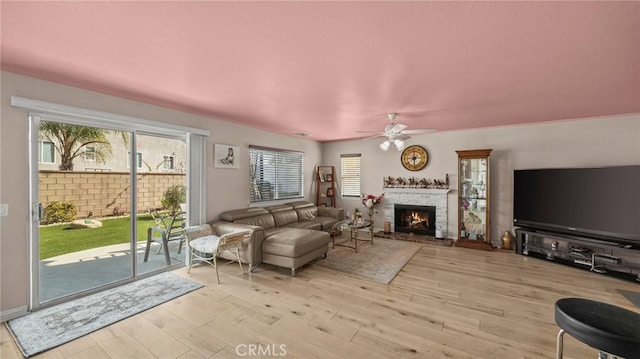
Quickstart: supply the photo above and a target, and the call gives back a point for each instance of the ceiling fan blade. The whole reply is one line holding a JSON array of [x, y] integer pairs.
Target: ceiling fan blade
[[378, 132], [371, 137], [420, 132], [394, 128], [402, 137], [400, 127]]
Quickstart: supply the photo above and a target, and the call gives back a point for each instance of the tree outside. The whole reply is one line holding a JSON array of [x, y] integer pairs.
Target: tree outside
[[72, 141]]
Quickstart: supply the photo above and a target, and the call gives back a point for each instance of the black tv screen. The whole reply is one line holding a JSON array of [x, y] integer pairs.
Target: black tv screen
[[601, 203]]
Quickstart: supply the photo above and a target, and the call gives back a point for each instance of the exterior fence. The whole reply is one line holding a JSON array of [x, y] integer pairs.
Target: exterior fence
[[105, 193]]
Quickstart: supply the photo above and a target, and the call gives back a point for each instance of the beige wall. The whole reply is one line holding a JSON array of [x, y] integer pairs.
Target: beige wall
[[226, 188], [584, 143]]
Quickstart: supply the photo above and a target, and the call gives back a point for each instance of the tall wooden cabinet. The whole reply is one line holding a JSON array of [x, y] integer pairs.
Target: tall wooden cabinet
[[474, 203], [325, 186]]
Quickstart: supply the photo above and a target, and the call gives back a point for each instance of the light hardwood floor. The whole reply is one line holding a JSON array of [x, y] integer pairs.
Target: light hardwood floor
[[446, 303]]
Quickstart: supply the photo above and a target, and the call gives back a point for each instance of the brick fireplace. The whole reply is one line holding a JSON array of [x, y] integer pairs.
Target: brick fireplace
[[416, 197]]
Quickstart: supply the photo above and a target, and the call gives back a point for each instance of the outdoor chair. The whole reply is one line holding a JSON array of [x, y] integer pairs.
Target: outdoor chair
[[204, 246], [167, 228]]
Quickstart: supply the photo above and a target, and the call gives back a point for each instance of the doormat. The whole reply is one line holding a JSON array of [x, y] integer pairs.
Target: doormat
[[380, 262], [50, 327], [417, 238]]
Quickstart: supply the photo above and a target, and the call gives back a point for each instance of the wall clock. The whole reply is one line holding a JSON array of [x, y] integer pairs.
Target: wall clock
[[414, 158]]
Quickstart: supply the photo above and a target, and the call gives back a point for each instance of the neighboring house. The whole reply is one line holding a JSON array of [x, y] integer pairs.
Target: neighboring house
[[154, 155]]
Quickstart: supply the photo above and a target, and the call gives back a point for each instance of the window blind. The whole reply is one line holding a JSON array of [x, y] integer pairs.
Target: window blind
[[350, 175], [275, 174]]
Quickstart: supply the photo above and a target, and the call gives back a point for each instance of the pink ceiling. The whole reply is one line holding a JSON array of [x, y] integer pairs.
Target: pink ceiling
[[331, 68]]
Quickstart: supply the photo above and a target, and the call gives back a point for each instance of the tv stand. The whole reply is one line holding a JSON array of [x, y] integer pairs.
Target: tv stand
[[600, 256]]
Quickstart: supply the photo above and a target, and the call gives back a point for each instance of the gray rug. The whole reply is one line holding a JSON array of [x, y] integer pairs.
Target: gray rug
[[380, 262], [53, 326], [633, 297]]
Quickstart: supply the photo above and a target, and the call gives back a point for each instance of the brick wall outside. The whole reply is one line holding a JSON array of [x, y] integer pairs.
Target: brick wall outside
[[105, 193]]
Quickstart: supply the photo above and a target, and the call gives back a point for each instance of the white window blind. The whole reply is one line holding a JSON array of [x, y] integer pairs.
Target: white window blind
[[275, 174], [350, 175]]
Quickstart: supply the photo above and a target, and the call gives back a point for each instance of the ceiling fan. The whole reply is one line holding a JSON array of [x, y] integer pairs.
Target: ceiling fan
[[395, 133]]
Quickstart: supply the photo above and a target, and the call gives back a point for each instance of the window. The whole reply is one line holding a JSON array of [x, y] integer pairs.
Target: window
[[275, 174], [138, 159], [47, 152], [89, 153], [350, 175], [169, 162]]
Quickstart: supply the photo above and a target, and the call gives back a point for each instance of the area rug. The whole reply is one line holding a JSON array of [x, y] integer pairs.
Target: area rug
[[633, 297], [380, 262], [417, 238], [53, 326]]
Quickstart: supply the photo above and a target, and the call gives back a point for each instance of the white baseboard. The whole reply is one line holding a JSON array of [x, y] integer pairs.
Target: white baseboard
[[12, 313]]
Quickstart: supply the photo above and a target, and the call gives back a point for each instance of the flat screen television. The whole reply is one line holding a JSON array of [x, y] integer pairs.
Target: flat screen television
[[600, 203]]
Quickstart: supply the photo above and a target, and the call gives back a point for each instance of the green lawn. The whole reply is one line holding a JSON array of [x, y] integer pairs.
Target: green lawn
[[60, 239]]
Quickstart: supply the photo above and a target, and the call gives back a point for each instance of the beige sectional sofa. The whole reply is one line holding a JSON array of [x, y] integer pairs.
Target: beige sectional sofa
[[288, 235]]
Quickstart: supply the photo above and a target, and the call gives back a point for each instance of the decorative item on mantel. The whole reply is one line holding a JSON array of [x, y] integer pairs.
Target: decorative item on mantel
[[370, 201], [413, 182]]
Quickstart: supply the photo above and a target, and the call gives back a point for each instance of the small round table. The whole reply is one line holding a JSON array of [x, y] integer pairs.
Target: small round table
[[610, 329], [354, 227]]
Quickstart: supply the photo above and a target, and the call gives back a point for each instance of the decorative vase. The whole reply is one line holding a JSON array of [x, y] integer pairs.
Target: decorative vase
[[507, 240], [370, 212]]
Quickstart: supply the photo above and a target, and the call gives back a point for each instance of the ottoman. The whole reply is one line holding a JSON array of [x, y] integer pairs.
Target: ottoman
[[294, 247]]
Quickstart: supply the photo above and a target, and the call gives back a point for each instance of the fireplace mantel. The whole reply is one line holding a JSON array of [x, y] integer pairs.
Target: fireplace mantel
[[415, 190], [420, 197]]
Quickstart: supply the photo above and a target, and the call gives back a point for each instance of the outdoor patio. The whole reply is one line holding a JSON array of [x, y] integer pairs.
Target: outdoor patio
[[78, 271]]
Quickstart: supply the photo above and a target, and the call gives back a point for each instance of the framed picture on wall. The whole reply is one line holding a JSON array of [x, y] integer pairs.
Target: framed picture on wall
[[226, 156]]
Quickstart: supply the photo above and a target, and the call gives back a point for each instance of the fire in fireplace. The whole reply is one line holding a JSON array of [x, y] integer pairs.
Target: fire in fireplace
[[415, 219]]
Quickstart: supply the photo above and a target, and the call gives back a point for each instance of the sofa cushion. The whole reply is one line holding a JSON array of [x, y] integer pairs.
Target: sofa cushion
[[232, 216], [274, 230], [325, 223], [312, 224], [295, 242], [307, 213], [306, 210], [265, 221], [283, 215], [300, 204]]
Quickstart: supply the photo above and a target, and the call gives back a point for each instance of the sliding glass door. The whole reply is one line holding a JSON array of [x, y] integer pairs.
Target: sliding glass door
[[161, 202], [108, 206]]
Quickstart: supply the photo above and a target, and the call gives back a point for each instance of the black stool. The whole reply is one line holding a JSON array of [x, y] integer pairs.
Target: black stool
[[612, 330]]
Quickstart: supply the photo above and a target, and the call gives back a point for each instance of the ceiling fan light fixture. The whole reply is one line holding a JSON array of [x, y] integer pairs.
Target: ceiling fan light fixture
[[399, 144], [385, 145]]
